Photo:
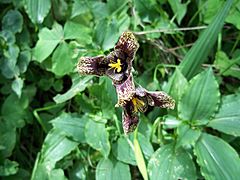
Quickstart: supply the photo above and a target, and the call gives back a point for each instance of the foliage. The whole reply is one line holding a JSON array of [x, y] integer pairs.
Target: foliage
[[56, 124]]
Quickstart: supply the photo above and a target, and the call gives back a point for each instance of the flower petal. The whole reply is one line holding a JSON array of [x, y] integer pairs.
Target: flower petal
[[129, 118], [128, 44], [160, 99], [92, 65], [125, 91]]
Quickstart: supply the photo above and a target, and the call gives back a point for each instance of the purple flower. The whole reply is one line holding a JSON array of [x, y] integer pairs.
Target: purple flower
[[116, 65]]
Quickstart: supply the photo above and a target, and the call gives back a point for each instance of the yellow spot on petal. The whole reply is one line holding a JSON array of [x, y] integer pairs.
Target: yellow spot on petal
[[116, 65], [138, 104]]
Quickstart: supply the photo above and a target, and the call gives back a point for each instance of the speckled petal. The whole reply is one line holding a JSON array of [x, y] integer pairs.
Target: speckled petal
[[128, 44], [160, 99], [125, 91], [92, 65]]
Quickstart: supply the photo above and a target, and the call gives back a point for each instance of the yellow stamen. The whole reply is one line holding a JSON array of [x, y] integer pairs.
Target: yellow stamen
[[116, 65], [137, 104]]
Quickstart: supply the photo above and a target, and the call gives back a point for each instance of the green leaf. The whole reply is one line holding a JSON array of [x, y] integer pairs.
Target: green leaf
[[24, 59], [176, 85], [124, 149], [62, 62], [8, 168], [48, 40], [139, 157], [200, 99], [200, 50], [226, 66], [97, 137], [54, 148], [12, 21], [112, 169], [57, 174], [78, 85], [187, 135], [79, 8], [217, 159], [17, 86], [74, 30], [72, 126], [179, 9], [168, 164], [227, 119], [37, 10]]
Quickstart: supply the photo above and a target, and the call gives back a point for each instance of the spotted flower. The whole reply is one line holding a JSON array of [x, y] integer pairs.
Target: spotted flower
[[116, 65], [134, 100]]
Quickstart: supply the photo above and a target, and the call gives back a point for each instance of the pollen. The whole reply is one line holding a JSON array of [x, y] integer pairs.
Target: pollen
[[116, 65], [138, 104]]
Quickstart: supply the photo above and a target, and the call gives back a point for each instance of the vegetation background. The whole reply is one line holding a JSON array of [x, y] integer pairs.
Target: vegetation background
[[56, 124]]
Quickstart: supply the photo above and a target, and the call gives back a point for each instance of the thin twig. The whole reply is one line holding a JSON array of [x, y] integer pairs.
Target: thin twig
[[170, 30]]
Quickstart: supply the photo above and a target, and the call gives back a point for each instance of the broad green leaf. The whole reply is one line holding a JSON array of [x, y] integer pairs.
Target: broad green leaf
[[54, 148], [78, 85], [8, 63], [12, 21], [8, 139], [139, 157], [72, 126], [112, 169], [176, 85], [99, 10], [79, 8], [200, 50], [179, 9], [48, 40], [186, 135], [170, 122], [74, 30], [123, 149], [227, 119], [37, 10], [17, 86], [167, 163], [24, 59], [217, 159], [8, 168], [201, 98], [62, 62], [57, 174], [226, 66], [97, 137]]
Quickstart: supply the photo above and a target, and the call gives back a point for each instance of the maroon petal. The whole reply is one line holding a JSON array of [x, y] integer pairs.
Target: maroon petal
[[129, 118], [125, 91], [128, 44], [92, 65], [160, 99]]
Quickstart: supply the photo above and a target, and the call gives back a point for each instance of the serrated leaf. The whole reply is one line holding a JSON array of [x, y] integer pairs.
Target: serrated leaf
[[200, 99], [37, 10], [112, 169], [168, 164], [217, 159], [227, 119], [12, 21], [200, 50], [54, 148], [78, 85], [48, 40], [123, 149], [72, 126], [97, 137], [186, 135], [17, 86], [62, 62]]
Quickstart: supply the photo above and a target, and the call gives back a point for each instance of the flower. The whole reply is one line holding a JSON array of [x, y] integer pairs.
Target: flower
[[116, 65], [139, 102]]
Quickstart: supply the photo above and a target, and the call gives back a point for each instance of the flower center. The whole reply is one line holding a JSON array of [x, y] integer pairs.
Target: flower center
[[138, 104], [116, 65]]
